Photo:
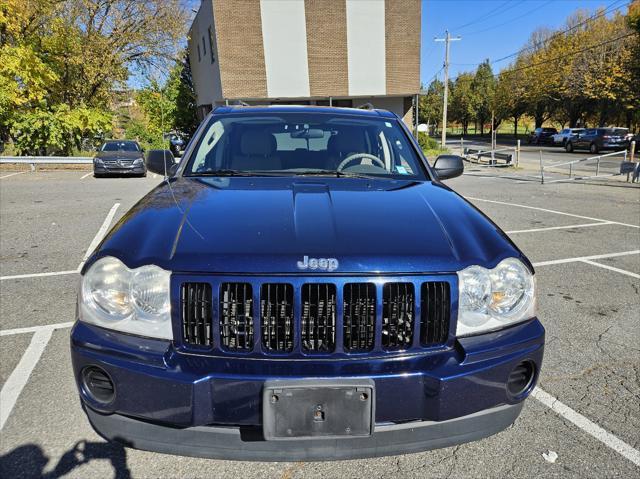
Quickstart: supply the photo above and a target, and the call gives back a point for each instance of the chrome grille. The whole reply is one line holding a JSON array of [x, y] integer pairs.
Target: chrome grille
[[397, 315], [359, 321], [435, 312], [318, 317], [276, 316], [297, 317], [236, 316], [195, 302]]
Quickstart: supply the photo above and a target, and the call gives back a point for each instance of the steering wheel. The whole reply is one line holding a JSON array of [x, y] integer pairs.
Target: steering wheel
[[358, 156]]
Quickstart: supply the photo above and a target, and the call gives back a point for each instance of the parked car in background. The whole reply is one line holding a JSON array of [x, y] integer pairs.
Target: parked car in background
[[177, 143], [566, 133], [596, 139], [121, 157], [542, 135]]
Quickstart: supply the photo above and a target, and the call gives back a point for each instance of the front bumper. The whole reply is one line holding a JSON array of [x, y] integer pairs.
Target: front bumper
[[177, 403], [99, 169], [246, 444]]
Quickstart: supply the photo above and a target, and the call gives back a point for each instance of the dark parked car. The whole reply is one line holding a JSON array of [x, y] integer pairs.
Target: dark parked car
[[304, 286], [542, 135], [596, 139], [121, 157]]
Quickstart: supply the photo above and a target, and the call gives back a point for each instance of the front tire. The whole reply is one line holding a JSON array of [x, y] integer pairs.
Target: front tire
[[568, 147], [593, 148]]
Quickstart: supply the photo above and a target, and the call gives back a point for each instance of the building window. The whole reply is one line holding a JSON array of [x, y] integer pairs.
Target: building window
[[204, 46], [198, 52], [213, 58]]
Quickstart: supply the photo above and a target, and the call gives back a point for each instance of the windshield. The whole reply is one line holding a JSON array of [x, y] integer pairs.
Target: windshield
[[286, 144], [120, 146]]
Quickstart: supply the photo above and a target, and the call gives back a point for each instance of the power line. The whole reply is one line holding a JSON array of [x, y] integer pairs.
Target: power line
[[571, 54], [481, 18], [566, 55], [610, 8], [584, 22], [510, 20]]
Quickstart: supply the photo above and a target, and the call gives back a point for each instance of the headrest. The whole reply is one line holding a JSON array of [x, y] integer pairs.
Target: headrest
[[257, 143], [347, 141]]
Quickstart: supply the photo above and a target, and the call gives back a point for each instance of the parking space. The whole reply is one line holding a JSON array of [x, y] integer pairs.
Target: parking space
[[583, 239]]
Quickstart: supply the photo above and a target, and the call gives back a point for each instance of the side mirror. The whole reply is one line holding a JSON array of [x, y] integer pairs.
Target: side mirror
[[448, 166], [161, 162]]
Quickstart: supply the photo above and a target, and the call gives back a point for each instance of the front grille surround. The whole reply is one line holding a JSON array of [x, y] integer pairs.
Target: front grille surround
[[285, 308]]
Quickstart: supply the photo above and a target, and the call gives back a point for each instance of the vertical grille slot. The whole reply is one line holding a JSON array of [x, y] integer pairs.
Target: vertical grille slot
[[195, 301], [398, 310], [276, 316], [318, 317], [236, 316], [359, 316], [435, 313]]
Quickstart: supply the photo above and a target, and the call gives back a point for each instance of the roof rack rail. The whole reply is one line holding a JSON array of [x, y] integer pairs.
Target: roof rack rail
[[241, 103], [366, 106]]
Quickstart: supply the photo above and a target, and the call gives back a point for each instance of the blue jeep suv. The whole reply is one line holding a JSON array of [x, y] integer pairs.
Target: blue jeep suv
[[302, 286]]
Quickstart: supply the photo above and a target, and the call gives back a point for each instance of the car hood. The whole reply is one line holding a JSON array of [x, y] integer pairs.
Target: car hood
[[266, 225], [114, 155]]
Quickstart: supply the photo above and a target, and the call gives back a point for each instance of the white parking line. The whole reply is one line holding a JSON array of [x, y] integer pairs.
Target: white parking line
[[552, 211], [584, 225], [585, 258], [84, 176], [20, 375], [12, 174], [38, 275], [587, 426], [611, 268], [35, 329], [100, 234]]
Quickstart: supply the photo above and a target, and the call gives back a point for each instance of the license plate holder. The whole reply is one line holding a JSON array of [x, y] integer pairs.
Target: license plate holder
[[315, 409]]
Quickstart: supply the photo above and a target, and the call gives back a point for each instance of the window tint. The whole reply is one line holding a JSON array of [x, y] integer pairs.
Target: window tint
[[285, 144], [120, 146]]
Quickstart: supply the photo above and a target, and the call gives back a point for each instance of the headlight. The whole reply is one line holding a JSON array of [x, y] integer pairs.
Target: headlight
[[495, 298], [138, 161], [133, 301]]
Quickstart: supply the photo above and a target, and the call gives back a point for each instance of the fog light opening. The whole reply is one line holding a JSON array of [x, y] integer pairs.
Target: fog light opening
[[521, 378], [97, 384]]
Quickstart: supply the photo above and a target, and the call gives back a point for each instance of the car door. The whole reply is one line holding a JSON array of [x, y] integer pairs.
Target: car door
[[584, 138]]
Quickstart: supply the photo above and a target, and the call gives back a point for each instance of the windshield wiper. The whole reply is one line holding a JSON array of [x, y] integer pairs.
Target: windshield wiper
[[229, 173], [334, 173]]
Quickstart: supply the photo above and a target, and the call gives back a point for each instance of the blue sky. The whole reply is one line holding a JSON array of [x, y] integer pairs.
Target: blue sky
[[490, 28]]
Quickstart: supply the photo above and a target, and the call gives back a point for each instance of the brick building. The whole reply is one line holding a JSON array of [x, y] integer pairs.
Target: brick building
[[339, 52]]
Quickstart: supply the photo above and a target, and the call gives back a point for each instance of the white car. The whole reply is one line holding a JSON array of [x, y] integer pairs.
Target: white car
[[566, 133]]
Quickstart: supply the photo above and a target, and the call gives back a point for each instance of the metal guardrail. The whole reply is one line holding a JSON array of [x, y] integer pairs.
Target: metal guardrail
[[492, 156], [596, 159], [46, 160]]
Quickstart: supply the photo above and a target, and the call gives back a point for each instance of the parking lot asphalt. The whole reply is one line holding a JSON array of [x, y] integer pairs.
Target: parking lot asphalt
[[584, 240]]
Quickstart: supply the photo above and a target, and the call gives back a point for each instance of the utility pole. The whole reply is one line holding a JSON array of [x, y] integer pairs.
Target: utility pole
[[447, 39]]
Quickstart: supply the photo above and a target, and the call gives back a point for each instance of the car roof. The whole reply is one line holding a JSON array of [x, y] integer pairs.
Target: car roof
[[304, 109], [120, 141]]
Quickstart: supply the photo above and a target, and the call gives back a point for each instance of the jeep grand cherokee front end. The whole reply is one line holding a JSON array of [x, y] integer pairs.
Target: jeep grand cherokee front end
[[304, 287]]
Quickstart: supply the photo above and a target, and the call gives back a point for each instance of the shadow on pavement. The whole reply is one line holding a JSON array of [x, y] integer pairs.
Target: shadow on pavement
[[29, 461]]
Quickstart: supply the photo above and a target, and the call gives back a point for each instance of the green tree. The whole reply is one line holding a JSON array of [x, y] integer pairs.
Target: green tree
[[483, 87], [462, 103], [60, 60], [430, 110]]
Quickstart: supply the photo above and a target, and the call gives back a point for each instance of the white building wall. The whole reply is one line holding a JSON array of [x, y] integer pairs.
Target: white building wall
[[284, 35], [366, 47]]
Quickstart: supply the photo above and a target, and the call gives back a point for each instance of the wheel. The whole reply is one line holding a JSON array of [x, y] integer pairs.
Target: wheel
[[568, 147], [593, 148]]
